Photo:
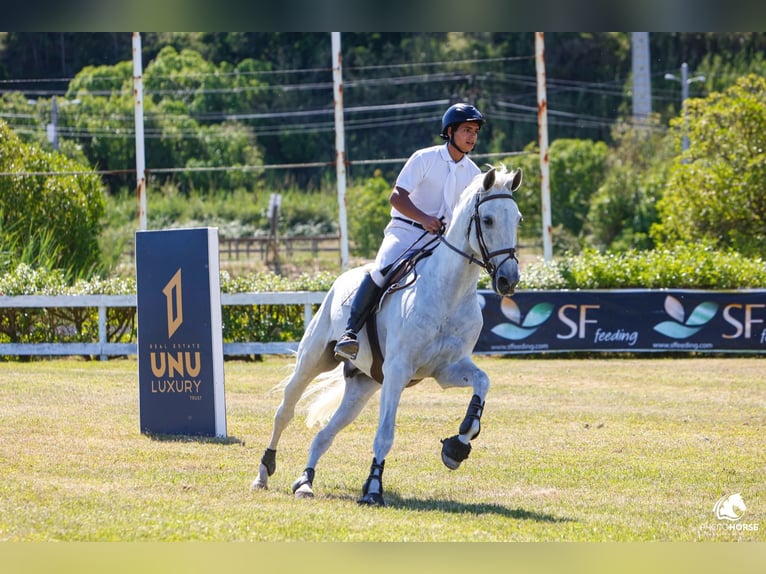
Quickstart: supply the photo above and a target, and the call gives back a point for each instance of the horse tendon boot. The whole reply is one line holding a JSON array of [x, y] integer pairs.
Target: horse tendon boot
[[303, 486], [376, 473], [456, 449]]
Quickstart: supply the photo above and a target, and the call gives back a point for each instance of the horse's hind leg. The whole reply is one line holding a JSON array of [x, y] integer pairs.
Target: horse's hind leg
[[455, 449], [310, 363], [357, 392]]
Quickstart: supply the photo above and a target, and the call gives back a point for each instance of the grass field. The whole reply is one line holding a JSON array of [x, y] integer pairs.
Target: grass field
[[570, 450]]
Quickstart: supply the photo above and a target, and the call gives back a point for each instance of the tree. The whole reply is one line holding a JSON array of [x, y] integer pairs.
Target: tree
[[623, 208], [184, 123], [577, 169], [716, 192], [58, 216], [371, 213]]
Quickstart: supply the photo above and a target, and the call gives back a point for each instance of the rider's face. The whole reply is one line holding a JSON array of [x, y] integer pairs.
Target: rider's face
[[466, 135]]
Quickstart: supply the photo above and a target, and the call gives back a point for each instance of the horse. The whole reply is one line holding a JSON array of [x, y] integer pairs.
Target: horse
[[426, 327]]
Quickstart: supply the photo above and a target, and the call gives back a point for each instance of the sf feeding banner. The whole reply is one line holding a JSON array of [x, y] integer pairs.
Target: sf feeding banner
[[638, 320], [180, 341]]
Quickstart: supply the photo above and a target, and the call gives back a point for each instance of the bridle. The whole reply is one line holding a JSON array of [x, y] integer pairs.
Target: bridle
[[486, 254]]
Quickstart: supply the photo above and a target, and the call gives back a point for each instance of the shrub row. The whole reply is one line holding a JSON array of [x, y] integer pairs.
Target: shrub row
[[690, 267], [678, 267]]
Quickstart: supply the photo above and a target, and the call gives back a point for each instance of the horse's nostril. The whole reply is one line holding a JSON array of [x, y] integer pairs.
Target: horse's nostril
[[504, 287]]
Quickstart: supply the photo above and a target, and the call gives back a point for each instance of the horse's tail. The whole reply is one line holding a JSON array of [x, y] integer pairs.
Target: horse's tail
[[324, 397]]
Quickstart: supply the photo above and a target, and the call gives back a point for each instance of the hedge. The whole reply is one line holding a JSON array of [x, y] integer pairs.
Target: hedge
[[683, 266]]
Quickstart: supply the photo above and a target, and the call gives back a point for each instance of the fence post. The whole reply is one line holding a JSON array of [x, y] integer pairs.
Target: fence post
[[102, 329]]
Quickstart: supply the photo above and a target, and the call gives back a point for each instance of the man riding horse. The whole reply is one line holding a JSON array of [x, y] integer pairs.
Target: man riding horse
[[422, 201]]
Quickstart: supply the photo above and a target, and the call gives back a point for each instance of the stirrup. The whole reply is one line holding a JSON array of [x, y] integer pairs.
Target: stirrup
[[347, 347]]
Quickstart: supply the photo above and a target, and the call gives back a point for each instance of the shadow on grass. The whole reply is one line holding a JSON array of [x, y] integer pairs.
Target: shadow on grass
[[479, 508], [395, 501], [227, 440]]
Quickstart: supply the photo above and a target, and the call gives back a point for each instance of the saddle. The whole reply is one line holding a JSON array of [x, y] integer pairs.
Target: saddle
[[398, 276]]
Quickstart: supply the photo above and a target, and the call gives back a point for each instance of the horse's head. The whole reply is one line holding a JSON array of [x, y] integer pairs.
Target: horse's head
[[495, 222]]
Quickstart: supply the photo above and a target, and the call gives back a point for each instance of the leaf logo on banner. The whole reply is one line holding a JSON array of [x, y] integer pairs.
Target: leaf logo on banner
[[521, 327], [681, 327]]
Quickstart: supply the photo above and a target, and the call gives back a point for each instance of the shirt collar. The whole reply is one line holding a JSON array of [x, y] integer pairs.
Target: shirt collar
[[444, 151]]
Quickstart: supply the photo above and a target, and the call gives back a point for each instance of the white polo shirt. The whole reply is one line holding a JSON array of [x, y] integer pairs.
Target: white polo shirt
[[424, 177]]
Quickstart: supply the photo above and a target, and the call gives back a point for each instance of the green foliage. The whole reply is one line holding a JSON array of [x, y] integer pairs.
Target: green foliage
[[180, 87], [29, 325], [368, 213], [267, 322], [679, 267], [577, 169], [56, 218], [622, 209], [716, 192]]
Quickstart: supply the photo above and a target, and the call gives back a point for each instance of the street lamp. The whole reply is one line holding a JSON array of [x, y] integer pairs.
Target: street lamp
[[685, 81]]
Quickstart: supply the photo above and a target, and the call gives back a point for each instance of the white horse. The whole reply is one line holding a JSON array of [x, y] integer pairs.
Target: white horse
[[427, 328]]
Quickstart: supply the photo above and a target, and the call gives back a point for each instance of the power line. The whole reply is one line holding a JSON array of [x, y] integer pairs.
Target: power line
[[261, 167]]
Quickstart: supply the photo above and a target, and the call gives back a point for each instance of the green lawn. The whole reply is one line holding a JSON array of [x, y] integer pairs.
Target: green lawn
[[570, 450]]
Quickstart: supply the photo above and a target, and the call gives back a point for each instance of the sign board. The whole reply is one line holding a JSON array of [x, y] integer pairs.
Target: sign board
[[180, 341], [625, 320]]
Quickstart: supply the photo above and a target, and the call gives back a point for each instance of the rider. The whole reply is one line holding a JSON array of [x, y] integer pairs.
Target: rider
[[425, 193]]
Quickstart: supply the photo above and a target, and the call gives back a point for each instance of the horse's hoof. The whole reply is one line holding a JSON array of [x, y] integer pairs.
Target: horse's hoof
[[454, 451], [258, 484], [372, 499], [304, 491], [303, 486], [450, 463]]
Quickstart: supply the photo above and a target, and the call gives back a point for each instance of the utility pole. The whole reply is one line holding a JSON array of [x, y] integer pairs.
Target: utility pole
[[642, 79], [542, 135], [685, 81], [340, 145], [53, 134], [138, 109]]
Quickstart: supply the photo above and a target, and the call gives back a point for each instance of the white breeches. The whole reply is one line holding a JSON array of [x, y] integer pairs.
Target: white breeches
[[398, 239]]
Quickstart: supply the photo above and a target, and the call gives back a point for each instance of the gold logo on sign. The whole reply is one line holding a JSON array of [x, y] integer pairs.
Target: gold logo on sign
[[174, 303]]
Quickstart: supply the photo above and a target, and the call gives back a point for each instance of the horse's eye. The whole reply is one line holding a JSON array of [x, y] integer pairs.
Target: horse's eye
[[488, 221]]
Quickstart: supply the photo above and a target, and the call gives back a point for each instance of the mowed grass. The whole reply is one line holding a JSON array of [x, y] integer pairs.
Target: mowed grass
[[570, 450]]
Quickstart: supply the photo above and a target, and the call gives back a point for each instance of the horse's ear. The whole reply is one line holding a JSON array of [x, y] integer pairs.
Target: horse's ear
[[516, 179], [489, 179]]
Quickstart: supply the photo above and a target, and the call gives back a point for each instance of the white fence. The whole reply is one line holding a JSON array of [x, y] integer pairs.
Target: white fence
[[103, 349]]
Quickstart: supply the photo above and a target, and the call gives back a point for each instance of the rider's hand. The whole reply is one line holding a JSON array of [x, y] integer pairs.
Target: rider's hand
[[432, 224]]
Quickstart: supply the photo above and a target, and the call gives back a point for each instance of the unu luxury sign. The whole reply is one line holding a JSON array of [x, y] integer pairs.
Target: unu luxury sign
[[639, 320], [180, 343]]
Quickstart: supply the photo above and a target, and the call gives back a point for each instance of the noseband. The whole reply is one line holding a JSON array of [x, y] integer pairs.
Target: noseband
[[486, 255]]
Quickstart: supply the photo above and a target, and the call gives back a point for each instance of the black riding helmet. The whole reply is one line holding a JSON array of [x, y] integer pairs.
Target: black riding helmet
[[459, 113]]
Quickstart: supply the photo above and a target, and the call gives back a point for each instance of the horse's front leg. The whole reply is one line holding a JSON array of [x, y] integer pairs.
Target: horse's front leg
[[455, 449], [372, 490]]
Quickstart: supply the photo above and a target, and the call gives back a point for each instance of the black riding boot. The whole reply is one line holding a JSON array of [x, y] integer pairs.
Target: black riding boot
[[365, 298]]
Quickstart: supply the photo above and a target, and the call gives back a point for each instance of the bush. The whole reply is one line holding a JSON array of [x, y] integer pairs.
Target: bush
[[679, 267], [369, 213], [61, 214]]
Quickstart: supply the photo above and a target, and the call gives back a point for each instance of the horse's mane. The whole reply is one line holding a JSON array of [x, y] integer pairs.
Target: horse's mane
[[477, 183], [502, 175]]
